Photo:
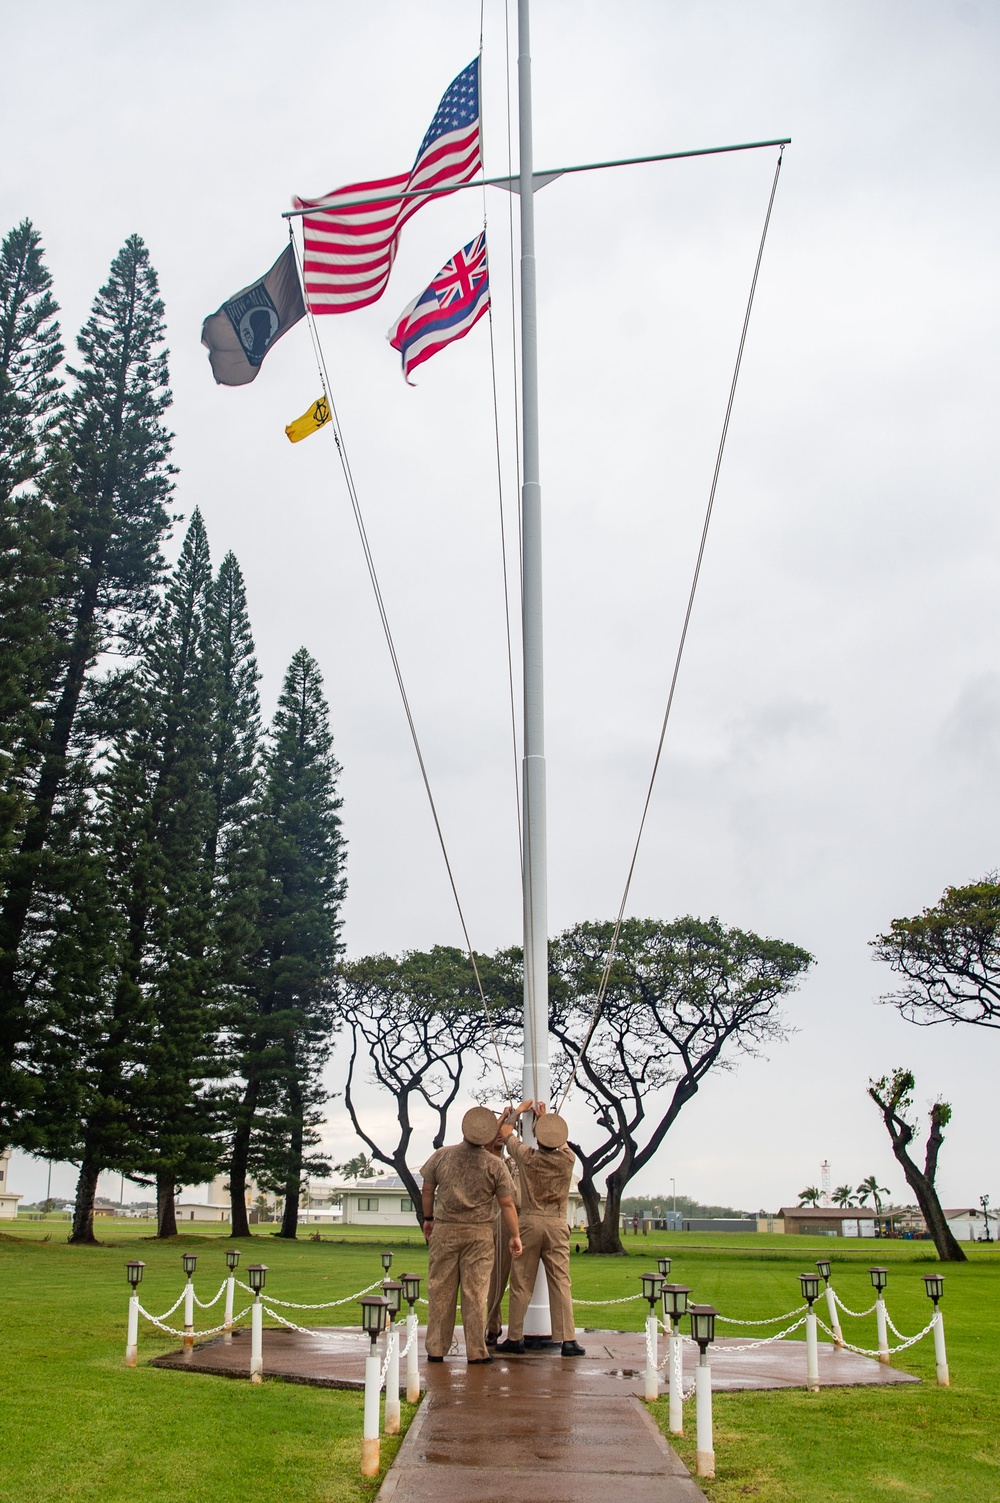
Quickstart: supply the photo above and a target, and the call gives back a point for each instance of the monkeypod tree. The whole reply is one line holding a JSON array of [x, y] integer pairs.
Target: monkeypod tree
[[949, 958], [417, 1021], [682, 999], [893, 1095]]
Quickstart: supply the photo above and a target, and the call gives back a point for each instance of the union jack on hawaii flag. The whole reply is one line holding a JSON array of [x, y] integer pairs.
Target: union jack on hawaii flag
[[456, 299], [350, 245]]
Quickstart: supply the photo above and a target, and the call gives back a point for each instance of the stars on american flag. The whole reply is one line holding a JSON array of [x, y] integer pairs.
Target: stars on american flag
[[458, 108]]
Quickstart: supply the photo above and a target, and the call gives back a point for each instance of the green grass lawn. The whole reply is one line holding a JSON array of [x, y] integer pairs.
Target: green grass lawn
[[81, 1427]]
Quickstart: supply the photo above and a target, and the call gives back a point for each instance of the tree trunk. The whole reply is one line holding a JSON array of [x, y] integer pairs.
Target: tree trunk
[[82, 1232], [166, 1209], [948, 1249], [920, 1182], [293, 1182], [602, 1232], [240, 1158]]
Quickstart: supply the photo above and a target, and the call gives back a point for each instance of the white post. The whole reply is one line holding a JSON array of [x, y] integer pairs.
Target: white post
[[189, 1315], [535, 1083], [812, 1352], [256, 1341], [676, 1383], [883, 1340], [831, 1309], [705, 1454], [392, 1381], [132, 1335], [228, 1317], [370, 1442], [652, 1375], [412, 1360], [940, 1355]]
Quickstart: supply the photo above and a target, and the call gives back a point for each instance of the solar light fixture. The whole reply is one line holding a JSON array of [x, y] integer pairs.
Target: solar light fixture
[[374, 1313], [411, 1288], [675, 1301], [190, 1262], [879, 1278], [232, 1258], [386, 1261], [823, 1264], [651, 1283], [663, 1264], [133, 1272], [257, 1273], [703, 1325], [810, 1287], [934, 1284], [393, 1292]]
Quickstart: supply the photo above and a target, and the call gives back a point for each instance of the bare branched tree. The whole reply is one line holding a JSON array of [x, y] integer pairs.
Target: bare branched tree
[[893, 1095], [949, 958]]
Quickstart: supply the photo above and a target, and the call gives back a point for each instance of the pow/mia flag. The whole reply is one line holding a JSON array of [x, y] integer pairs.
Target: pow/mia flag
[[244, 329]]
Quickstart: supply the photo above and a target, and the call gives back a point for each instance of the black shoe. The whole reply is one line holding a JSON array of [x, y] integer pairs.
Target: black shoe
[[477, 1361], [492, 1337], [573, 1349], [434, 1359], [512, 1348]]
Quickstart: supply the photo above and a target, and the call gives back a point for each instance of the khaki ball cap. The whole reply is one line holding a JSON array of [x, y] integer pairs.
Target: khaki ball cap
[[551, 1130], [479, 1126]]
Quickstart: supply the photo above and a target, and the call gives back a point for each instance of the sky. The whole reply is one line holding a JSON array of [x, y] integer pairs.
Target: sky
[[831, 759]]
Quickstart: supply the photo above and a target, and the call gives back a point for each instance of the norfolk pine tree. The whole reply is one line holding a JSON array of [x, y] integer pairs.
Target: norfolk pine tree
[[109, 477], [288, 1041]]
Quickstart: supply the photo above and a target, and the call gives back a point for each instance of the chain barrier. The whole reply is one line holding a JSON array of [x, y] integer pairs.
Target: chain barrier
[[199, 1334], [309, 1331], [752, 1346], [211, 1302], [178, 1301], [863, 1351], [855, 1314], [770, 1320], [627, 1300], [290, 1304]]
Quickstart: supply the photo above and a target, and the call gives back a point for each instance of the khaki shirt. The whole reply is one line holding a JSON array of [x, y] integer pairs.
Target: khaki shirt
[[545, 1178], [467, 1180]]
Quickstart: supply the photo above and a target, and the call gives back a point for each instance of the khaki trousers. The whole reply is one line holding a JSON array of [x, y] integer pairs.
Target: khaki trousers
[[459, 1257], [499, 1277], [545, 1240]]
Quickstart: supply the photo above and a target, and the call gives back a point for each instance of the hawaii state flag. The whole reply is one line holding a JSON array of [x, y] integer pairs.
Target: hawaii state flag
[[456, 299], [350, 242]]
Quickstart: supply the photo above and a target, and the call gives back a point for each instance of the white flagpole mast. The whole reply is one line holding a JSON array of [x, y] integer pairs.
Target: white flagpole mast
[[536, 945]]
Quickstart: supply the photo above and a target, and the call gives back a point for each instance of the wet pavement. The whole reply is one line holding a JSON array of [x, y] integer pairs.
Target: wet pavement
[[522, 1428]]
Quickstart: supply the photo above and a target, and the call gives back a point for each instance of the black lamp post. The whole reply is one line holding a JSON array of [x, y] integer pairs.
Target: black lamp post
[[879, 1278], [189, 1261], [703, 1328], [810, 1287], [133, 1272], [411, 1288], [386, 1261], [232, 1258], [663, 1264], [934, 1284], [823, 1264], [675, 1303], [257, 1274], [374, 1313], [393, 1292], [651, 1284]]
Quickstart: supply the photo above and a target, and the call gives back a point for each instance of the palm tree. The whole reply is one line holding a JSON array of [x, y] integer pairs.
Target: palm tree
[[809, 1197], [871, 1187], [843, 1196]]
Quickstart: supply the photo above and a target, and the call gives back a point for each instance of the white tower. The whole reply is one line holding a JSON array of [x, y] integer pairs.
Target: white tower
[[824, 1182]]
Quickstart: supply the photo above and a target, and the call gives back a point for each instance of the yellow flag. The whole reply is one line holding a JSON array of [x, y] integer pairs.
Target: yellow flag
[[316, 417]]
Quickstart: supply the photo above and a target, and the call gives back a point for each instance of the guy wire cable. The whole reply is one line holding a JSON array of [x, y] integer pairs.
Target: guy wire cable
[[383, 616], [612, 950]]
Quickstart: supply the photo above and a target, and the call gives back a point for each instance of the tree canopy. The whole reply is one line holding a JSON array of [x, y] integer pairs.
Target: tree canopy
[[948, 957]]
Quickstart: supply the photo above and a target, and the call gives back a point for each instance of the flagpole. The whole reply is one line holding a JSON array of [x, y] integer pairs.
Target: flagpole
[[536, 947]]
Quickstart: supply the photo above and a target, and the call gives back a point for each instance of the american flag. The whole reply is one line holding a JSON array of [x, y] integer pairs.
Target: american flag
[[350, 246], [456, 299]]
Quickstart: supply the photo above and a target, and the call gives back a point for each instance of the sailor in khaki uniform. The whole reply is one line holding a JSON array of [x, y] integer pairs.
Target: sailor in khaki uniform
[[461, 1187], [501, 1247], [545, 1175]]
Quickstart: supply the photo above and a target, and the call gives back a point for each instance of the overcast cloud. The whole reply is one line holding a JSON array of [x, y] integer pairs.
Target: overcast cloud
[[833, 755]]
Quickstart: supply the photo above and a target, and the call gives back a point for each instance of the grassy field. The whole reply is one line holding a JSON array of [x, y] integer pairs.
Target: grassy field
[[79, 1426]]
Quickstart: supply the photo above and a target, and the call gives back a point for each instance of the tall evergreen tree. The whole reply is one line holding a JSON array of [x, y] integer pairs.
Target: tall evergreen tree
[[288, 1041], [30, 551], [110, 477]]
